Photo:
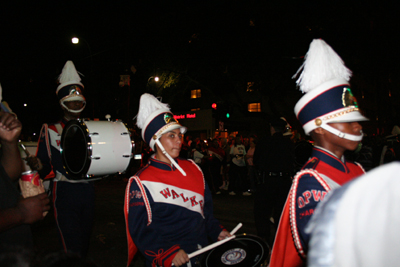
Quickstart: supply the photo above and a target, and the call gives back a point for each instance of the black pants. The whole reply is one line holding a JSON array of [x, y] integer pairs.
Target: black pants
[[269, 199], [74, 213], [237, 178]]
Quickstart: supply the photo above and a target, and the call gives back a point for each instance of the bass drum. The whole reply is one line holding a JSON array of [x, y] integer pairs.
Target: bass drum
[[243, 251], [95, 148]]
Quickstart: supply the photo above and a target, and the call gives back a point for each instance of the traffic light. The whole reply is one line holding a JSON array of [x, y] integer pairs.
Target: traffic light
[[214, 105], [227, 115]]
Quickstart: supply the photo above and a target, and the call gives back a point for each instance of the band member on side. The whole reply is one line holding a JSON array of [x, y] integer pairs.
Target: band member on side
[[329, 113], [168, 205], [73, 200]]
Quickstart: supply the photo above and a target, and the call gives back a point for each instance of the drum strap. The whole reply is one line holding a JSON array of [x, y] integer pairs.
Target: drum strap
[[45, 131], [59, 128]]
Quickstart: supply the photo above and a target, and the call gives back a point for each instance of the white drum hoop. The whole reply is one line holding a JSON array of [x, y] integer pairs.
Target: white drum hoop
[[95, 148]]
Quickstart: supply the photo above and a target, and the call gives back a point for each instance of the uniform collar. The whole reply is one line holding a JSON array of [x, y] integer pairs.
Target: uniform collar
[[330, 158], [161, 164]]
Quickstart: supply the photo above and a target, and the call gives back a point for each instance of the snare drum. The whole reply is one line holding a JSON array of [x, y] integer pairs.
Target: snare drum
[[95, 148], [243, 251]]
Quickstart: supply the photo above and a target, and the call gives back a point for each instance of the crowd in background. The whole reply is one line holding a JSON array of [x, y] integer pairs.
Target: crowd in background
[[215, 158]]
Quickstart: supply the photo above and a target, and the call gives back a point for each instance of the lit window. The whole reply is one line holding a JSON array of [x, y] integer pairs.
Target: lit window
[[254, 107], [250, 87], [194, 109], [195, 93]]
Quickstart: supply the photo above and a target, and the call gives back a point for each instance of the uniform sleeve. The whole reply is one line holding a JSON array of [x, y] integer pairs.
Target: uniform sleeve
[[308, 193], [148, 239], [212, 224], [43, 155]]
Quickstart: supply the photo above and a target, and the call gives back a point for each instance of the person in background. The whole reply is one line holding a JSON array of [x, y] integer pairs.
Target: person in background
[[251, 172], [237, 169], [274, 162], [217, 156]]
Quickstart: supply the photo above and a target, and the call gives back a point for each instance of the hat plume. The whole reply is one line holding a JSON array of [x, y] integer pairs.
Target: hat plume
[[149, 104], [321, 64], [69, 73]]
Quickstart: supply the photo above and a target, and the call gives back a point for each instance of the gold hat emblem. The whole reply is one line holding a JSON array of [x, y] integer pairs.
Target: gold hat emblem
[[168, 118]]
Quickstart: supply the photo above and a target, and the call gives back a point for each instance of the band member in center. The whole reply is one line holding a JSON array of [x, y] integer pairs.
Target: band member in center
[[168, 205]]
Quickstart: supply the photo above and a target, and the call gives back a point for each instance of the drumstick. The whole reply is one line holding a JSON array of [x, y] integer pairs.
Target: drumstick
[[216, 244], [236, 228]]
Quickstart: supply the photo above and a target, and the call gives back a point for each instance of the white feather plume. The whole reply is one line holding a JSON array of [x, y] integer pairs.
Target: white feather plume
[[69, 73], [148, 104], [321, 64]]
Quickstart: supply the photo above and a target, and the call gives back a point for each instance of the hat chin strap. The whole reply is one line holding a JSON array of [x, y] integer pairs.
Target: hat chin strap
[[170, 158], [72, 110], [343, 135]]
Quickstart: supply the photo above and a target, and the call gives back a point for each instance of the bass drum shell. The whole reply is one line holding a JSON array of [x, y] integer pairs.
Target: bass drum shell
[[95, 148], [243, 251]]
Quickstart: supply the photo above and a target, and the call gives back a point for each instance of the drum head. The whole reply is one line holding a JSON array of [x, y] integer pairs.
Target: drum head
[[74, 151], [242, 251]]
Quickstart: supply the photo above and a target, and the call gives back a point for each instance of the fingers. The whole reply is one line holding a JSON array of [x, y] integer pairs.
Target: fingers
[[180, 258], [9, 121], [34, 163], [45, 201]]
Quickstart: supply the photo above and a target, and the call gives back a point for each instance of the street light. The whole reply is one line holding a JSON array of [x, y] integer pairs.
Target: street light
[[156, 79], [75, 41]]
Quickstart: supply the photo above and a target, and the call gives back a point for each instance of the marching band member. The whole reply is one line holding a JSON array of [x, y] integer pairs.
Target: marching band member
[[330, 114], [73, 200], [168, 205]]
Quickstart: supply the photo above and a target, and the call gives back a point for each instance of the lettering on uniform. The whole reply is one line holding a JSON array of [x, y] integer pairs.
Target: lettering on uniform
[[58, 142], [194, 202], [169, 194], [306, 196], [166, 193], [135, 204], [306, 213], [135, 194], [185, 199]]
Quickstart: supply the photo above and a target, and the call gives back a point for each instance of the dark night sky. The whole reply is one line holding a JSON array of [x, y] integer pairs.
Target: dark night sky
[[35, 42]]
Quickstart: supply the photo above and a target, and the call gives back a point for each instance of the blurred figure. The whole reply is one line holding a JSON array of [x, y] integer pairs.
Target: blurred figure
[[225, 163], [237, 169], [16, 213], [251, 171], [274, 161], [357, 224], [217, 156]]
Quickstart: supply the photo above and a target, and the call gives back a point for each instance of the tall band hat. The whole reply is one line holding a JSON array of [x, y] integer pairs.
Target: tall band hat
[[155, 119], [328, 97], [70, 87]]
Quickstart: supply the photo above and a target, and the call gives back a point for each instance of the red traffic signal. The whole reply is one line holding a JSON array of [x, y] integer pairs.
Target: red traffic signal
[[214, 105]]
